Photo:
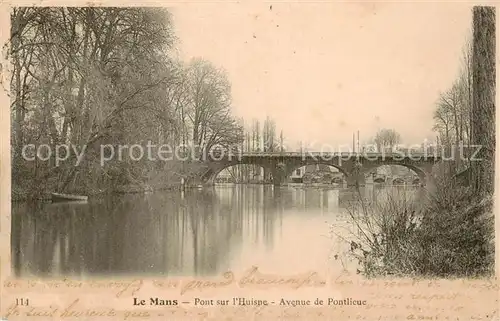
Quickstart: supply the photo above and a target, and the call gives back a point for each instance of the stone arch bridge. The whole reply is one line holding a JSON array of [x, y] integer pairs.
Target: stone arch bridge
[[282, 164]]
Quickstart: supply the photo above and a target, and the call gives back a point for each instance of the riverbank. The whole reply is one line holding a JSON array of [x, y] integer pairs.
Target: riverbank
[[96, 181], [18, 195], [447, 233]]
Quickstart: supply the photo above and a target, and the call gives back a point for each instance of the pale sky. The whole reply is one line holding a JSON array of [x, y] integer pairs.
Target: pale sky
[[323, 71]]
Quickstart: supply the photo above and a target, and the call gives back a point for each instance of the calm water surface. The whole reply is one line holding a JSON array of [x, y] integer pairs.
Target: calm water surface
[[199, 232]]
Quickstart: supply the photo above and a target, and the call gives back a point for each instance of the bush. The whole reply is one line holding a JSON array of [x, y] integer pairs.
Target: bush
[[445, 233]]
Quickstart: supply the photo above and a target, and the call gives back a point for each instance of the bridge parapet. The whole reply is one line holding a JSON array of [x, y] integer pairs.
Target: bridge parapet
[[326, 155], [436, 152]]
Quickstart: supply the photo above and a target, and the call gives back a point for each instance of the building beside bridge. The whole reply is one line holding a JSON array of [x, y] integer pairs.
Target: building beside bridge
[[297, 175]]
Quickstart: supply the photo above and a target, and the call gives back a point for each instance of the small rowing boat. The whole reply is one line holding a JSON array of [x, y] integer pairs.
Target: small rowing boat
[[56, 197]]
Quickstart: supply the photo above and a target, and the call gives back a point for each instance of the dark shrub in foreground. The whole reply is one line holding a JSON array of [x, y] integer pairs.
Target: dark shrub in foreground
[[448, 232]]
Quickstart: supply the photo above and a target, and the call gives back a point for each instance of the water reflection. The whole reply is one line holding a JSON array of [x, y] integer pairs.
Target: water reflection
[[203, 232]]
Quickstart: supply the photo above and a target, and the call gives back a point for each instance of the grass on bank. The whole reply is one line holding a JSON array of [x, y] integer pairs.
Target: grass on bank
[[448, 232]]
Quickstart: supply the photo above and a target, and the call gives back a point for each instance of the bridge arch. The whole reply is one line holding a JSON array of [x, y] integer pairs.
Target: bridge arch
[[296, 165], [398, 181], [379, 180], [419, 171], [211, 175], [292, 168]]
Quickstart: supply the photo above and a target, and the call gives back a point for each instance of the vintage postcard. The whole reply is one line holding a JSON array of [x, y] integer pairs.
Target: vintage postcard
[[285, 160]]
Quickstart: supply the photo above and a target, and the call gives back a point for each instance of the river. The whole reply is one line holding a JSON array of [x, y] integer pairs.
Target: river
[[200, 232]]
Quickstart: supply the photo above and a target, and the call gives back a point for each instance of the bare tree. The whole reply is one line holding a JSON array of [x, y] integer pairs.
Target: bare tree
[[210, 108], [282, 142], [90, 76], [386, 139]]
